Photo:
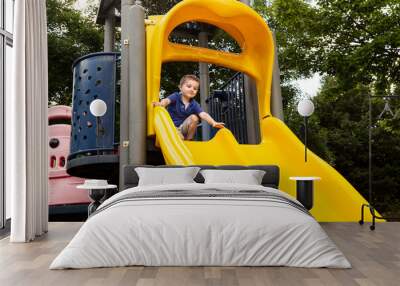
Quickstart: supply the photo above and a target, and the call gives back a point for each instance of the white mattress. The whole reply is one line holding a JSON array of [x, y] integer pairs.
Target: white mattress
[[183, 231]]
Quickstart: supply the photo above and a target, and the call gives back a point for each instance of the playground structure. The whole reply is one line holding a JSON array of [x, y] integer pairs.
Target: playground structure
[[63, 195], [147, 47]]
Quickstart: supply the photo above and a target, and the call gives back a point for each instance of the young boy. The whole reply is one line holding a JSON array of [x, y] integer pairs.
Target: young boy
[[185, 110]]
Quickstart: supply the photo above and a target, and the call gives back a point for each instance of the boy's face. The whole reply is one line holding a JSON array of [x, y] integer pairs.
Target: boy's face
[[189, 88]]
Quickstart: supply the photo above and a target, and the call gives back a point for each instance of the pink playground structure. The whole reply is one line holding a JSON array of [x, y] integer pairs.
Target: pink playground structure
[[64, 197]]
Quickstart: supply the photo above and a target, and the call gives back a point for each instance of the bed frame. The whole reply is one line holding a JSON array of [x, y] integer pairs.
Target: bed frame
[[270, 179]]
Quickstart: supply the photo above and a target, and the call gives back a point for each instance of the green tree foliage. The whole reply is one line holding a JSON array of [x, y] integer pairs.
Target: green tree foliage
[[71, 34], [357, 41], [154, 7], [294, 23], [355, 46], [343, 115], [363, 43]]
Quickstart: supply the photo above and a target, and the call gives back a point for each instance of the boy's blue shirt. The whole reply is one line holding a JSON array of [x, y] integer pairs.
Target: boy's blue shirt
[[177, 108]]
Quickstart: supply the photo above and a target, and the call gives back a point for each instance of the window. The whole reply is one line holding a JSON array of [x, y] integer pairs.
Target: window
[[7, 85], [9, 15], [6, 45]]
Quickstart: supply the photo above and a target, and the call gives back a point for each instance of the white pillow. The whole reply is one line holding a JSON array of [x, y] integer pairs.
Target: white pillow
[[165, 176], [248, 177]]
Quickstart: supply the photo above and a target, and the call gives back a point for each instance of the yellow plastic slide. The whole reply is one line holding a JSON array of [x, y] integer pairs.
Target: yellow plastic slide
[[334, 198]]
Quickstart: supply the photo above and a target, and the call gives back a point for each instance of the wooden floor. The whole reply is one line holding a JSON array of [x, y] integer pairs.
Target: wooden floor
[[375, 256]]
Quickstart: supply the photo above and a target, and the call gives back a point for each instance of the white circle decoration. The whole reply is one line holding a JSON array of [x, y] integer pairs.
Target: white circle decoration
[[98, 107], [305, 107]]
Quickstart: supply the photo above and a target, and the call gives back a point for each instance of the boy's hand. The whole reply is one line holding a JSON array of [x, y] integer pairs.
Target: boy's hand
[[163, 103], [218, 125]]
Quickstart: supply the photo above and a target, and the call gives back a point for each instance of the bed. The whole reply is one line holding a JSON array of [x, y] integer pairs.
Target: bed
[[201, 224]]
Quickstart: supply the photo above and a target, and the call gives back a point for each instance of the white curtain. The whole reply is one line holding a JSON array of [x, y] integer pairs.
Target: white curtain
[[26, 123]]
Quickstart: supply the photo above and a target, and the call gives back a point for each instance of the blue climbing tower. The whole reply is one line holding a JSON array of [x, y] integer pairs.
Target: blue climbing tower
[[94, 149]]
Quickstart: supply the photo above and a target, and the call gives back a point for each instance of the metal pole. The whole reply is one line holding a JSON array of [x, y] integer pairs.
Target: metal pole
[[305, 137], [137, 85], [124, 111], [109, 26], [369, 150], [276, 93], [97, 135], [204, 85], [252, 115]]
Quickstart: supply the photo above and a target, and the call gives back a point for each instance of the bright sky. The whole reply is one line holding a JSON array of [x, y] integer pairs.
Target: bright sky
[[81, 4], [310, 86]]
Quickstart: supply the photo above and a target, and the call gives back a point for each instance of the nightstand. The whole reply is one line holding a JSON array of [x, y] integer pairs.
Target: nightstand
[[305, 190], [99, 191]]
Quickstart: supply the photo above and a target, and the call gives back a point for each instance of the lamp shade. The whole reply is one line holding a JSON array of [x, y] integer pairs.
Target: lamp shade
[[98, 107], [305, 107]]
